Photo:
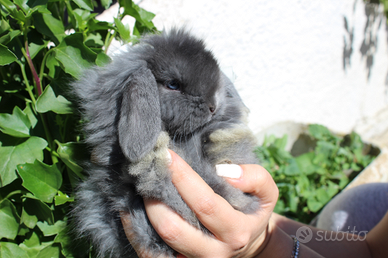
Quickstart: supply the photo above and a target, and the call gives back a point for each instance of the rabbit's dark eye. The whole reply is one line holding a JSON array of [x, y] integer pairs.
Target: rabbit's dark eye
[[173, 85]]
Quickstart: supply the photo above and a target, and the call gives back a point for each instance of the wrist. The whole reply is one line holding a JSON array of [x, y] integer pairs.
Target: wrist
[[276, 244]]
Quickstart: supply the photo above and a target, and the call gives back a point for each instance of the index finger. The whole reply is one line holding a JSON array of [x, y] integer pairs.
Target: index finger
[[257, 181]]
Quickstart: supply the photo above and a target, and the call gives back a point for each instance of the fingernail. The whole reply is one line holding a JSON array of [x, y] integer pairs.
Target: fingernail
[[229, 170], [168, 157]]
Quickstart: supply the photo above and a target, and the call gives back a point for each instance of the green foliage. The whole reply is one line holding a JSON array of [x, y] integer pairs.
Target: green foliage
[[43, 46], [307, 182]]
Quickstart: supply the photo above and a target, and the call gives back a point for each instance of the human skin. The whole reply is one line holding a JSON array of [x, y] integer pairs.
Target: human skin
[[235, 234]]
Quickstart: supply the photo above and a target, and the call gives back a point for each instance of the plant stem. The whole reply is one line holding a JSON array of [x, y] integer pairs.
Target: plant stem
[[33, 70], [52, 151], [22, 68], [15, 192], [49, 139], [43, 64], [108, 40], [71, 14], [44, 122]]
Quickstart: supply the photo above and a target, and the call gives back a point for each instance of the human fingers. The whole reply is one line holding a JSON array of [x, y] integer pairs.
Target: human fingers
[[227, 224], [257, 181], [180, 235]]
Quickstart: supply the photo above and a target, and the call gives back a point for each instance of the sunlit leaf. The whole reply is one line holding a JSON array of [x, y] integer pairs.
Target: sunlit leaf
[[142, 16], [41, 179], [103, 59], [123, 30], [17, 124], [314, 205], [48, 25], [85, 4], [51, 230], [24, 152], [32, 245], [49, 102], [4, 26], [30, 114], [6, 55], [8, 249], [106, 3], [5, 39], [50, 251], [62, 198], [73, 55], [9, 220], [69, 153]]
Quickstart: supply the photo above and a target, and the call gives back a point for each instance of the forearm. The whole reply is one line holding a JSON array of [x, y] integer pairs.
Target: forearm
[[326, 243]]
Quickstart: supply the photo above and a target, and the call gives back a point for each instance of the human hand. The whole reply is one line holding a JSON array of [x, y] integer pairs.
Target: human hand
[[235, 234]]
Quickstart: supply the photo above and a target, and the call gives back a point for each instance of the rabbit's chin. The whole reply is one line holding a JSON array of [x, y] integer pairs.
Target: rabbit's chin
[[182, 131]]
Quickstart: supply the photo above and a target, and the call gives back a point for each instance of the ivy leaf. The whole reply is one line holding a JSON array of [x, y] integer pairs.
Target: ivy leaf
[[74, 55], [123, 30], [32, 245], [4, 26], [62, 198], [35, 207], [82, 17], [47, 25], [28, 219], [71, 60], [50, 251], [51, 230], [22, 4], [8, 249], [305, 163], [30, 114], [322, 195], [9, 220], [292, 168], [6, 55], [18, 124], [85, 4], [142, 16], [49, 102], [12, 8], [36, 48], [52, 64], [24, 152], [41, 179], [9, 36], [106, 3], [313, 204], [103, 59], [68, 153]]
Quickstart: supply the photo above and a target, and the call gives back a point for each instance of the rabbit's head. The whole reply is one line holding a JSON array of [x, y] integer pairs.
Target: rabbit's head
[[188, 80], [166, 82]]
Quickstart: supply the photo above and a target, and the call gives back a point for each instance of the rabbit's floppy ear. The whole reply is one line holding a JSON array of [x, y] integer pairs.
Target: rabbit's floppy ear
[[140, 120]]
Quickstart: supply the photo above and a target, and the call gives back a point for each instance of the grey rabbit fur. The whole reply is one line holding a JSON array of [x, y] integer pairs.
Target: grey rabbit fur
[[165, 92]]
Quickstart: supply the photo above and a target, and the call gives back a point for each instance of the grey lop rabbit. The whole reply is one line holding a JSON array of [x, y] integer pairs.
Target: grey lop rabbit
[[165, 92]]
